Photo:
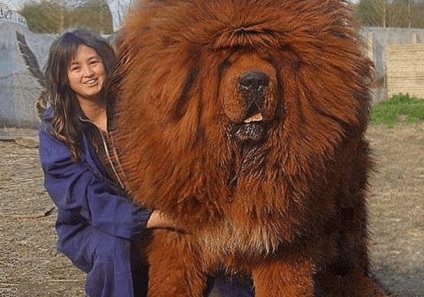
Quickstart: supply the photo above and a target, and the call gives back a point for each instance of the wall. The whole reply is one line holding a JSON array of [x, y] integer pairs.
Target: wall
[[18, 88], [405, 69], [378, 41]]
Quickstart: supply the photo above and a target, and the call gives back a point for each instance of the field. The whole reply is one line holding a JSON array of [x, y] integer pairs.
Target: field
[[30, 265]]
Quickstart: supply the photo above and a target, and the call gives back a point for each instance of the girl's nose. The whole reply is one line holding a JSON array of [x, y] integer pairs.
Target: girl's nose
[[88, 71]]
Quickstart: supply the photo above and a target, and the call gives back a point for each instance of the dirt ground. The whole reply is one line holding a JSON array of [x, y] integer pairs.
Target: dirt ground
[[30, 265]]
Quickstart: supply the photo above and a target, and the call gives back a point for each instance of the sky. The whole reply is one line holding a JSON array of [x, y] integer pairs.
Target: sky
[[17, 4], [14, 4]]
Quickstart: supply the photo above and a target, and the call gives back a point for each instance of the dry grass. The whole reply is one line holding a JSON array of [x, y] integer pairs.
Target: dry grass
[[396, 207], [30, 265]]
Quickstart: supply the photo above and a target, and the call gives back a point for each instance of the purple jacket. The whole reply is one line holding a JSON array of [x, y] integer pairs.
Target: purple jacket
[[83, 194]]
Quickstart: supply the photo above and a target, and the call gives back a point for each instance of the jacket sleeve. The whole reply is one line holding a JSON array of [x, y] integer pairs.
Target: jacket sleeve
[[74, 187]]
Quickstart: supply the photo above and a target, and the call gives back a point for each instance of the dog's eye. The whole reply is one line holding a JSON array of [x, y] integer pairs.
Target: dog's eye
[[224, 65]]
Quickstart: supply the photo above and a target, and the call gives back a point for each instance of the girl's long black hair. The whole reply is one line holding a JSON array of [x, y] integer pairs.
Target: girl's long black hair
[[65, 123]]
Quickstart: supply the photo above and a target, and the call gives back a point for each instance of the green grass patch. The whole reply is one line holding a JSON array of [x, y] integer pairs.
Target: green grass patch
[[399, 108]]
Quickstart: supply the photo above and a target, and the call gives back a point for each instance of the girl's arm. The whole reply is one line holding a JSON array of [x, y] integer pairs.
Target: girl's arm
[[74, 187]]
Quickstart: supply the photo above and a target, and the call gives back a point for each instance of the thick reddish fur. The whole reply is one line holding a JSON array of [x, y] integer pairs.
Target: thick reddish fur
[[288, 210]]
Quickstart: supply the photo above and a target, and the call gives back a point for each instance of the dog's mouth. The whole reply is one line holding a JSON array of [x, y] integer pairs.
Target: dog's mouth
[[250, 105], [251, 130]]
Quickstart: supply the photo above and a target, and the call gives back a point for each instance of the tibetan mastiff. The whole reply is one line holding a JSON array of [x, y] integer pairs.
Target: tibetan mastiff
[[243, 121]]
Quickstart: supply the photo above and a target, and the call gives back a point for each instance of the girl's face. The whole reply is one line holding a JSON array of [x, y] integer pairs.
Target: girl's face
[[86, 74]]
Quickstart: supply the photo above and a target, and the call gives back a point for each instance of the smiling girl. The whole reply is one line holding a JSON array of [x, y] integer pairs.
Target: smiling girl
[[97, 223]]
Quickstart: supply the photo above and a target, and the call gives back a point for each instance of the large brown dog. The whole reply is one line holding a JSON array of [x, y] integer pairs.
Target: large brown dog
[[244, 122]]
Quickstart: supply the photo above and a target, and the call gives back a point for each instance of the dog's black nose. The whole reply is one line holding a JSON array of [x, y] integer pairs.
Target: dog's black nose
[[253, 81]]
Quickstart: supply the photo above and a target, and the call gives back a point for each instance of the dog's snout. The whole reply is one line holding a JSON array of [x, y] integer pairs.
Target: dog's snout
[[253, 81]]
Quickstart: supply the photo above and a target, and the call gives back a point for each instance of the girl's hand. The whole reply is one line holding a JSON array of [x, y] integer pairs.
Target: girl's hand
[[159, 221]]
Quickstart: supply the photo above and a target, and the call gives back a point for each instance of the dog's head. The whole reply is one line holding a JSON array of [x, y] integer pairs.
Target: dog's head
[[218, 95]]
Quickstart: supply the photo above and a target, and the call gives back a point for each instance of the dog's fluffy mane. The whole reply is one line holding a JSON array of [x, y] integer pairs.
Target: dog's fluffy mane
[[177, 149]]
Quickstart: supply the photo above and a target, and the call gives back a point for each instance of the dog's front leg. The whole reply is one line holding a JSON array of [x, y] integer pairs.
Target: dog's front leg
[[291, 277], [174, 266]]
